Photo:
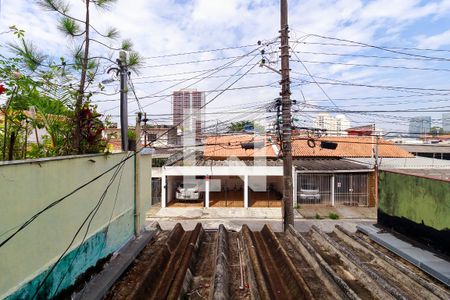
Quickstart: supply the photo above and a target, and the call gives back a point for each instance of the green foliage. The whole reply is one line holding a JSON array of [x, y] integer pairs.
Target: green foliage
[[158, 162], [318, 216], [91, 130], [112, 33], [69, 26], [30, 56], [54, 5], [134, 61], [435, 130], [19, 33], [333, 216], [127, 45], [239, 126], [132, 135], [105, 4]]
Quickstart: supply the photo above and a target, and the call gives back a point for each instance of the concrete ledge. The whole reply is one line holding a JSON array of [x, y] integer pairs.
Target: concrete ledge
[[425, 260], [100, 284], [217, 213]]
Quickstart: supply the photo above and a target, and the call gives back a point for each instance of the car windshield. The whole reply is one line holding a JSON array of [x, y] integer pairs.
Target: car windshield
[[188, 186], [309, 187]]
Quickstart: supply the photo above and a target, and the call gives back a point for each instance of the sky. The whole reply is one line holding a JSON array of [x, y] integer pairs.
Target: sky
[[327, 70]]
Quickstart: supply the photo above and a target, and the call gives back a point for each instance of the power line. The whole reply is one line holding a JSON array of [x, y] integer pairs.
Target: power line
[[200, 51], [56, 202], [381, 86], [387, 47], [191, 78], [374, 66], [315, 81], [192, 62], [184, 73], [366, 56], [378, 47], [134, 93], [174, 85], [90, 216]]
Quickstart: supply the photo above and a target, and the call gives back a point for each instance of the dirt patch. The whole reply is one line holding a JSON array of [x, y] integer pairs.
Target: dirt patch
[[234, 269], [204, 269]]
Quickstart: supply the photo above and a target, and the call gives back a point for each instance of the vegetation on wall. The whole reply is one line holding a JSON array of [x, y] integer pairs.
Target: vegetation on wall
[[44, 94]]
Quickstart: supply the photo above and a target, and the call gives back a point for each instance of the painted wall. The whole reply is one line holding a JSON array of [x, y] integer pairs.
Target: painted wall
[[28, 187], [416, 206]]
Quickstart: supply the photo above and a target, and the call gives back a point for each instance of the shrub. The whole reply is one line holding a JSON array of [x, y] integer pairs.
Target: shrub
[[333, 216]]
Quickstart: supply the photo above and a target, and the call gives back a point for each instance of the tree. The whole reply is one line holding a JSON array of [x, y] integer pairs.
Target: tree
[[18, 89], [245, 125], [86, 64], [436, 130]]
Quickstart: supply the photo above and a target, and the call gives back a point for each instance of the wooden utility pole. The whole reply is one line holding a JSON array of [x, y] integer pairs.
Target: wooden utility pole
[[288, 204]]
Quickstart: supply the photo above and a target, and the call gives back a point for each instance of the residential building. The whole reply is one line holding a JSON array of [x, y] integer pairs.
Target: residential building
[[446, 122], [187, 113], [420, 125], [341, 123], [246, 171], [334, 126], [324, 121], [439, 151], [364, 130]]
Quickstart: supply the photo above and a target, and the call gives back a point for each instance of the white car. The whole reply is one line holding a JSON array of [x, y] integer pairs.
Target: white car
[[188, 191], [309, 192]]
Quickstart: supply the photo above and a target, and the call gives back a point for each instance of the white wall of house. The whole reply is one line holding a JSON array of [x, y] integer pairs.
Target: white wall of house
[[226, 174]]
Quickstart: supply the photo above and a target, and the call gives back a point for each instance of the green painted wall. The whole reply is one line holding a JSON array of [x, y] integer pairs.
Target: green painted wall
[[421, 200], [26, 188]]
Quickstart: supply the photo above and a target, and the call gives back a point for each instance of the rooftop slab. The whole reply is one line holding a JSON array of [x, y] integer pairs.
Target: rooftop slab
[[425, 260]]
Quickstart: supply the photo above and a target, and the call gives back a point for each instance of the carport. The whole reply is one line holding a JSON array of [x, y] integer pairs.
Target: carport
[[175, 181], [265, 191], [226, 183], [226, 191], [333, 182]]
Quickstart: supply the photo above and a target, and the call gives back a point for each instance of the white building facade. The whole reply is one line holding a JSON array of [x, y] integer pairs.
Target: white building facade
[[334, 125]]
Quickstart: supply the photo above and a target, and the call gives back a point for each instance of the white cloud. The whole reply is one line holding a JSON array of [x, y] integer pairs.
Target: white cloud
[[162, 27]]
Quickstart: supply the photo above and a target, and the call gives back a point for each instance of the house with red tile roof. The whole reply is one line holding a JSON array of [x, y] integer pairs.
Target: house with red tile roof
[[246, 170]]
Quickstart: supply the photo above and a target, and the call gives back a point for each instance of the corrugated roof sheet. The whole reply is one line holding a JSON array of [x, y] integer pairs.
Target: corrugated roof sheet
[[347, 147], [408, 163], [436, 148], [328, 165]]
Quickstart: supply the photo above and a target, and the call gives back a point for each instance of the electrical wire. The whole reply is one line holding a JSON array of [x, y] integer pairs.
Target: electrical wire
[[200, 51], [87, 220], [59, 200], [374, 66], [378, 47], [134, 93], [318, 85]]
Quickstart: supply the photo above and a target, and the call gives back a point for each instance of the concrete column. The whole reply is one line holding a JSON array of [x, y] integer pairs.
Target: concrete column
[[332, 190], [246, 191], [207, 182], [163, 191], [294, 186]]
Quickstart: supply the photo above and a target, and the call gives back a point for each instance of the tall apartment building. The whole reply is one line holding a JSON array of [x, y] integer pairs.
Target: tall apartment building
[[420, 125], [446, 122], [335, 126], [187, 113]]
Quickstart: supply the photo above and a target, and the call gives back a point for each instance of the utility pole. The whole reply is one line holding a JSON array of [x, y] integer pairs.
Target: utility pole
[[137, 195], [287, 202], [145, 129], [123, 70]]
